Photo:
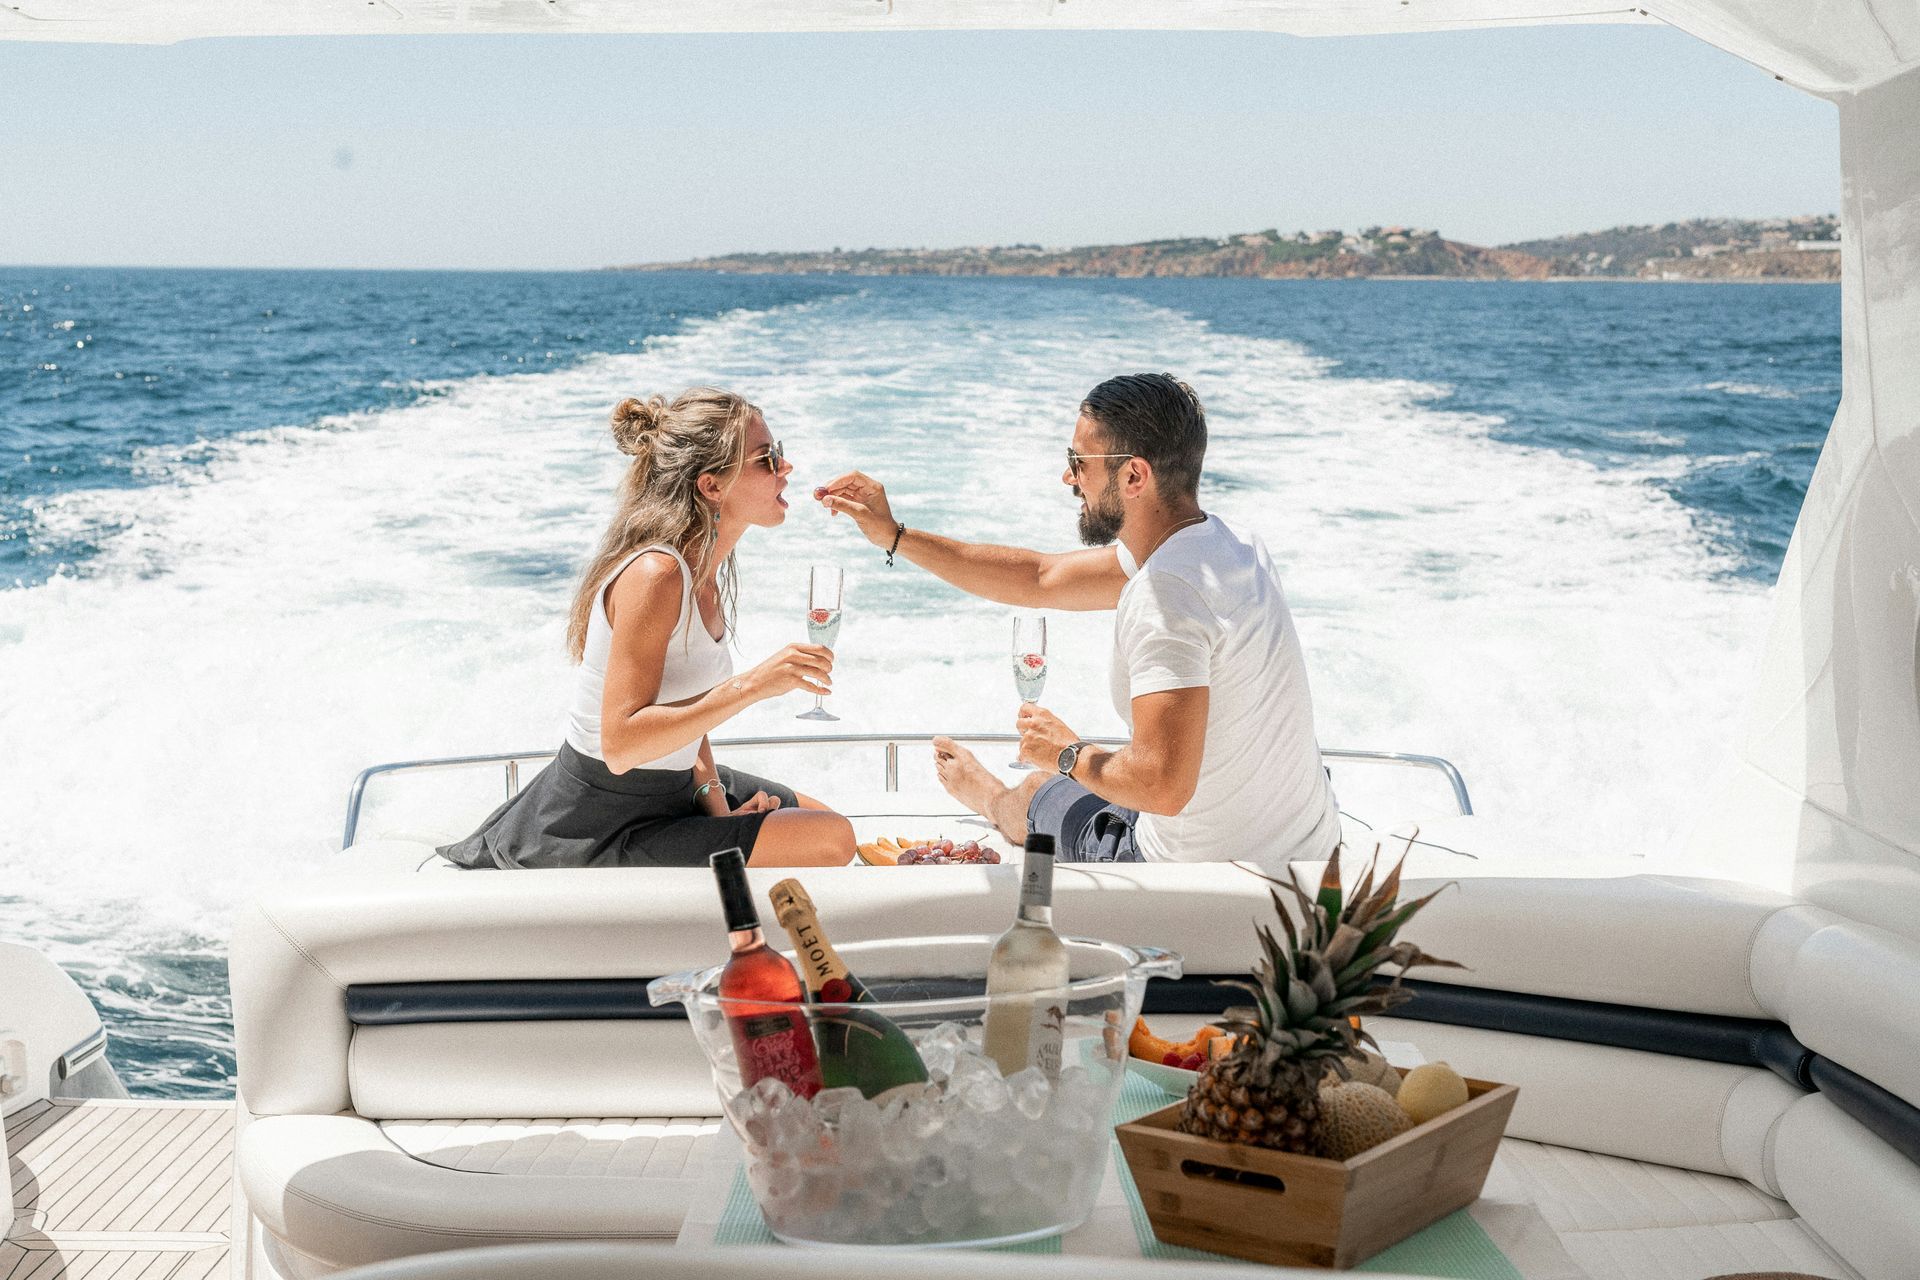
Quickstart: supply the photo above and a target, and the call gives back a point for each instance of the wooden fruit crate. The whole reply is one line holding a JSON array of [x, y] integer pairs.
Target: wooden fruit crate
[[1302, 1211]]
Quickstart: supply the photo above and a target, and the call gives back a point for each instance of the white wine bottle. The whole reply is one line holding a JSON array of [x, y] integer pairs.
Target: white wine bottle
[[1025, 1029]]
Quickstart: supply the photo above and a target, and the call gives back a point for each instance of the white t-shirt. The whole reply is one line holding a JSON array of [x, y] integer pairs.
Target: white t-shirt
[[1207, 610]]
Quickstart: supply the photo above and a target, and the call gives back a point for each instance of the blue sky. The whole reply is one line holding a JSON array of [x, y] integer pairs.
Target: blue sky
[[559, 152]]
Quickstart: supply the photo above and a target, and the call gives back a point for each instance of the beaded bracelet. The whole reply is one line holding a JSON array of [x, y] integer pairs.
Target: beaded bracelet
[[899, 532]]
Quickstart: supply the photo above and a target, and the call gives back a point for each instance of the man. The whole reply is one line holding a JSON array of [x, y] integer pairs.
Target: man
[[1207, 670]]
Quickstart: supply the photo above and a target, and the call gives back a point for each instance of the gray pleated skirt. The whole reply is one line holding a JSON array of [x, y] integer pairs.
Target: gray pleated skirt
[[578, 813]]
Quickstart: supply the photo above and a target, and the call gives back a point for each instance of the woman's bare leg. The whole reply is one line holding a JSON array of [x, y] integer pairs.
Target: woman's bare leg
[[802, 838], [808, 802]]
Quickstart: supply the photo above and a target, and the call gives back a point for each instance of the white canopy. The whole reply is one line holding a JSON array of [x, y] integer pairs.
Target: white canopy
[[1826, 789], [1824, 46]]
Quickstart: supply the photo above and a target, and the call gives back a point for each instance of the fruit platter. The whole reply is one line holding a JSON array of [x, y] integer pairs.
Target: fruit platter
[[900, 851], [1173, 1065]]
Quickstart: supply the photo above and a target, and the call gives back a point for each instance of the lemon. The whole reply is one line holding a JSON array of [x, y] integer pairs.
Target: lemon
[[1431, 1090]]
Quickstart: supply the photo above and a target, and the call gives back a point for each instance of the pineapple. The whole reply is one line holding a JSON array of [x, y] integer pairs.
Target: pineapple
[[1265, 1092]]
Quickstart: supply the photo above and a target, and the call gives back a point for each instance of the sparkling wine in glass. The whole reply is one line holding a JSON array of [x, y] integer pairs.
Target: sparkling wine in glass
[[823, 621], [1029, 660]]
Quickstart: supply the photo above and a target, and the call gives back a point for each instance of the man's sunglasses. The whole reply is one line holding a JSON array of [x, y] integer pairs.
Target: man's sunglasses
[[773, 457], [1075, 459]]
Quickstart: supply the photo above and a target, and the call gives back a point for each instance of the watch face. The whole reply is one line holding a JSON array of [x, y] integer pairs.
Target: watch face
[[1067, 757]]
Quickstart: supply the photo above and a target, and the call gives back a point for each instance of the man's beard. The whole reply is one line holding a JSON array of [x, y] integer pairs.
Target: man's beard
[[1100, 522]]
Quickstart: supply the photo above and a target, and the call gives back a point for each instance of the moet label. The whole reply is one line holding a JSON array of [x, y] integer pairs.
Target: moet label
[[819, 963]]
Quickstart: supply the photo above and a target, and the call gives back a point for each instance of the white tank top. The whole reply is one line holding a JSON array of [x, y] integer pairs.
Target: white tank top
[[696, 662]]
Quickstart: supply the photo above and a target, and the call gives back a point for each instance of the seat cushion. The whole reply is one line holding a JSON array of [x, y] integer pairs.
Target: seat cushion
[[639, 1147], [1688, 1253], [1629, 1220], [1583, 1191], [1656, 942], [337, 1191]]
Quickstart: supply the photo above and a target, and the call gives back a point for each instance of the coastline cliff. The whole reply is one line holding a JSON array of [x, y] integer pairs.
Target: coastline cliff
[[1803, 248]]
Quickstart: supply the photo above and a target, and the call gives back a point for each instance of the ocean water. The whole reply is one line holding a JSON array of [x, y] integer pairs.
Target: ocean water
[[261, 529]]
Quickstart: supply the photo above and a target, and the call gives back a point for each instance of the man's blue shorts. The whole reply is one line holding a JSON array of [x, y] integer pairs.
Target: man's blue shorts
[[1084, 827]]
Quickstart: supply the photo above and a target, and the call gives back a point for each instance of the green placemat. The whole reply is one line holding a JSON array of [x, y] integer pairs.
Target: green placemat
[[1454, 1248]]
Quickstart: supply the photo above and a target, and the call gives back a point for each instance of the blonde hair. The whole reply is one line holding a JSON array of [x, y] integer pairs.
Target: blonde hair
[[672, 444]]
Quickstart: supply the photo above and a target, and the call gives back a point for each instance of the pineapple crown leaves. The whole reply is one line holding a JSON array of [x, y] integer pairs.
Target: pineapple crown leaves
[[1306, 990]]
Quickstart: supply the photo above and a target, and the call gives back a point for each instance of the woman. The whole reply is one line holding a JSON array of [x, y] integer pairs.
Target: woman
[[635, 783]]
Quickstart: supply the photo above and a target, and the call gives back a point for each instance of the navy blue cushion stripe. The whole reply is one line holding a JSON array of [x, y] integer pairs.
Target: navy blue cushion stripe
[[1749, 1042], [1894, 1120]]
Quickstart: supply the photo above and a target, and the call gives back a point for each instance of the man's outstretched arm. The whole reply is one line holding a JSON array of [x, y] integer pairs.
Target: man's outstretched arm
[[1071, 580]]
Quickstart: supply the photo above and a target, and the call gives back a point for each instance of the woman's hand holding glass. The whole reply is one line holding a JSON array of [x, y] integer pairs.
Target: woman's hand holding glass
[[803, 667]]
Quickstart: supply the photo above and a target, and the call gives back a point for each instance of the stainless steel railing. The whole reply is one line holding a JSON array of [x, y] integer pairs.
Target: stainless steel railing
[[510, 762]]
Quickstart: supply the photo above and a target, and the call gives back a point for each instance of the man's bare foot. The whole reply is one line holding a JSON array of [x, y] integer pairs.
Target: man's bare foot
[[964, 777]]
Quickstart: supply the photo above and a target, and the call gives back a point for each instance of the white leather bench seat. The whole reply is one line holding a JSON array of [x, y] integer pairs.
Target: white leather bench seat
[[338, 1191], [1630, 1220], [637, 1147], [1690, 1253], [1582, 1191]]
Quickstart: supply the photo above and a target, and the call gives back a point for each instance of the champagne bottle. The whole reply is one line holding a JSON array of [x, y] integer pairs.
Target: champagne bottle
[[1023, 1030], [770, 1036], [859, 1047]]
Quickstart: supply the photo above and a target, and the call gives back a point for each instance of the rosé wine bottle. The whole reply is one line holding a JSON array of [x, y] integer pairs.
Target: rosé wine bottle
[[764, 997]]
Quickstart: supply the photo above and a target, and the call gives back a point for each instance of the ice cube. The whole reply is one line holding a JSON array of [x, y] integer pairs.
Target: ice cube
[[931, 1171], [772, 1091], [924, 1118], [983, 1092], [831, 1105], [968, 1066], [857, 1213], [950, 1034], [793, 1130], [905, 1127], [752, 1110], [1030, 1090], [967, 1127]]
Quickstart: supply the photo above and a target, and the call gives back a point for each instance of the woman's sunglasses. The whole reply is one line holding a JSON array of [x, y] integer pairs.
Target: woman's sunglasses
[[773, 457]]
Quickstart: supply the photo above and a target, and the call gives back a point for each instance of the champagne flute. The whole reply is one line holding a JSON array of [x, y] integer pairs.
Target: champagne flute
[[824, 584], [1029, 661]]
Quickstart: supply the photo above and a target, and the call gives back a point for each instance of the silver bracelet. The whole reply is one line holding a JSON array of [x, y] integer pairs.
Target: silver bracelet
[[703, 788]]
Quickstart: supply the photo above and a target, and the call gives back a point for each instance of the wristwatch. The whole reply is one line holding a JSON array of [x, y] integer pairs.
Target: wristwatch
[[1070, 757]]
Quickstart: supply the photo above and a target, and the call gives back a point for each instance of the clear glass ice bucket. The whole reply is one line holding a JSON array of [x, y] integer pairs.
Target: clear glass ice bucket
[[969, 1159]]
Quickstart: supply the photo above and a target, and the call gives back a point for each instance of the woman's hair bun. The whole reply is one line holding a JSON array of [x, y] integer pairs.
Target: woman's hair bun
[[634, 420]]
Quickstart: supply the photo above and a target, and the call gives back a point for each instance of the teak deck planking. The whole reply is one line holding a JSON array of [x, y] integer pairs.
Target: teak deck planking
[[126, 1190]]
